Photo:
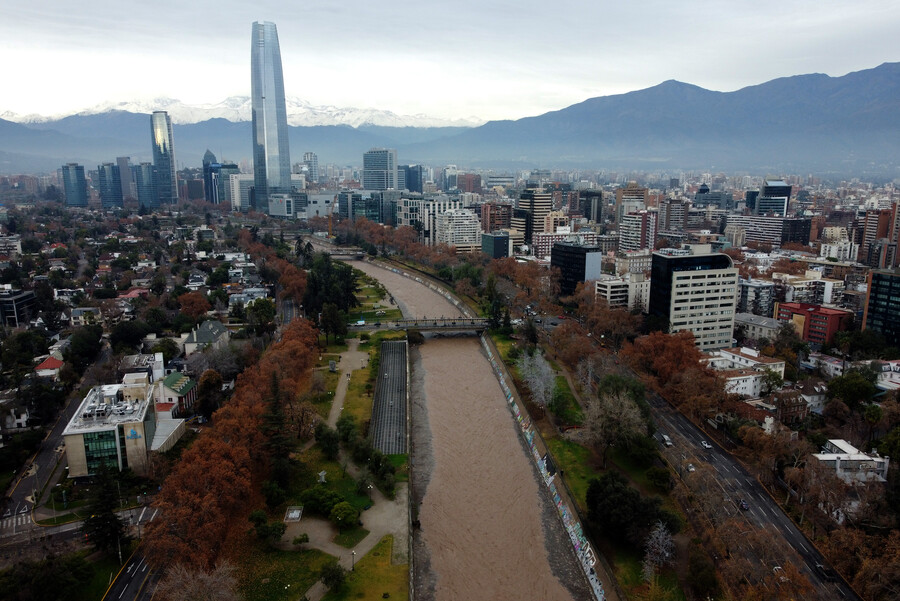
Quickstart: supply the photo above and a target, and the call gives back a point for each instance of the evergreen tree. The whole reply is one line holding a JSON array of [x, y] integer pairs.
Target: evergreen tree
[[103, 528]]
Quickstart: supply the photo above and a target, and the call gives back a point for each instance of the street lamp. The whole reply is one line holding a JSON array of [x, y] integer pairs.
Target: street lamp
[[352, 560]]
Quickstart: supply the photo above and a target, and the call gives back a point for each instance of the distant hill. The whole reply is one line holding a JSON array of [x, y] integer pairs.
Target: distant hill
[[816, 123]]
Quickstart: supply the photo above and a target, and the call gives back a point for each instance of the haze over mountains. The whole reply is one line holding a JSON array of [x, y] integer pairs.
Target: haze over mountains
[[843, 125]]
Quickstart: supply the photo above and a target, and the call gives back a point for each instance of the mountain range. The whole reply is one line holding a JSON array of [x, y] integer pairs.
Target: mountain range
[[805, 123]]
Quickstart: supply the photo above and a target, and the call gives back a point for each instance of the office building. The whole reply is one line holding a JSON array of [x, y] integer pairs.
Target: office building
[[673, 215], [719, 199], [311, 160], [576, 263], [163, 142], [696, 290], [542, 243], [74, 185], [773, 198], [882, 309], [109, 184], [591, 205], [145, 184], [211, 175], [17, 307], [876, 226], [630, 198], [538, 203], [496, 245], [380, 169], [770, 230], [496, 216], [413, 176], [271, 152], [469, 182], [126, 177], [814, 323]]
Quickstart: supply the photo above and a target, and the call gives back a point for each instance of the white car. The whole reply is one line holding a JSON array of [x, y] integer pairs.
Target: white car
[[690, 467], [705, 444]]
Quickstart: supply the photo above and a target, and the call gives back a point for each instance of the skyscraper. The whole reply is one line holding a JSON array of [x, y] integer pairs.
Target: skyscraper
[[380, 169], [163, 157], [74, 185], [128, 188], [271, 153], [211, 177], [312, 165], [145, 184], [110, 185]]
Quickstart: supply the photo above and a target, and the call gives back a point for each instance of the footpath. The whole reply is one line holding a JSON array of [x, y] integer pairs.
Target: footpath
[[386, 516]]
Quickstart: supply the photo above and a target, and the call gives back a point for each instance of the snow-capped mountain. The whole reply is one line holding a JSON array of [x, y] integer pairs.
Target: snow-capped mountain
[[237, 109]]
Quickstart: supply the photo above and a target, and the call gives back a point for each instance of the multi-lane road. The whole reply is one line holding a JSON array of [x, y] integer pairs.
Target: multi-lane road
[[735, 483]]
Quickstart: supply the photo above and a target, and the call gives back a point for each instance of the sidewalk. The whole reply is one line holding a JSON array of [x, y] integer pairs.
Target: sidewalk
[[386, 516]]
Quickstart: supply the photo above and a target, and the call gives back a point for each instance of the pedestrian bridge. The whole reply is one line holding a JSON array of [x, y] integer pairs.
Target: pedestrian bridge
[[453, 324]]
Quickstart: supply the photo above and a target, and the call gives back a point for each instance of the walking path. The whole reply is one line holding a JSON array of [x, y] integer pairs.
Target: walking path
[[386, 516]]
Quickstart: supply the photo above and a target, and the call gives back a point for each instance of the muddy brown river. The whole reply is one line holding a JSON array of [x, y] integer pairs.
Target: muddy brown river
[[488, 530]]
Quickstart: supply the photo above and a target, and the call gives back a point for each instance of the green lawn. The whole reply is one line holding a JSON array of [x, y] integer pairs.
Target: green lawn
[[566, 407], [351, 537], [279, 575], [357, 403], [572, 458], [374, 577], [401, 464]]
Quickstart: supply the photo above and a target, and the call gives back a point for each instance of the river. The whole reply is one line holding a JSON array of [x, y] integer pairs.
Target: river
[[488, 528]]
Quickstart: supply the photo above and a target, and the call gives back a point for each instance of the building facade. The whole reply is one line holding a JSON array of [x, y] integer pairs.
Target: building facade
[[109, 184], [695, 290], [163, 142], [882, 309], [74, 185], [576, 263], [271, 151], [380, 169], [814, 323]]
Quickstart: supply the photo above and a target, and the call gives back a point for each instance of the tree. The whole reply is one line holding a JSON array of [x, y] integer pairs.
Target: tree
[[168, 347], [538, 377], [333, 321], [182, 583], [261, 315], [209, 392], [333, 576], [84, 345], [194, 305], [611, 419], [343, 515], [127, 335], [659, 550], [854, 387], [103, 528], [266, 531]]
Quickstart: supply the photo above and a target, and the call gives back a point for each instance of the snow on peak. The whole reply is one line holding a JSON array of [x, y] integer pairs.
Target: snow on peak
[[237, 108]]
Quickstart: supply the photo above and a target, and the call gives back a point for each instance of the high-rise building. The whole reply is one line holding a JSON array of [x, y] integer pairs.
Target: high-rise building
[[311, 160], [576, 263], [630, 198], [380, 169], [74, 185], [211, 177], [460, 228], [882, 311], [125, 176], [695, 290], [163, 157], [271, 153], [773, 198], [413, 176], [145, 183], [637, 231], [538, 203], [109, 183]]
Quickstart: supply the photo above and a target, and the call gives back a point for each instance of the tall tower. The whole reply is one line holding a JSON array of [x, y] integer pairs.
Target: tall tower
[[271, 153], [110, 185], [311, 160], [380, 169], [164, 157], [75, 185]]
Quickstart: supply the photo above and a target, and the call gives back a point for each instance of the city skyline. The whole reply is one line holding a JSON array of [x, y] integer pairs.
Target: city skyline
[[499, 63]]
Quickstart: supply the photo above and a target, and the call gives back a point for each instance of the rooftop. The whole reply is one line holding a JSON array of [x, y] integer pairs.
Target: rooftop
[[109, 405]]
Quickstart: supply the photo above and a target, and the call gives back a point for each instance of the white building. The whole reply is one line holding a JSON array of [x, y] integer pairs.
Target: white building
[[744, 369], [852, 465], [460, 228], [842, 251], [630, 290]]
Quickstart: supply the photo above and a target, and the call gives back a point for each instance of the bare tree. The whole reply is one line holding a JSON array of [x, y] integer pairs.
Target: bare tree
[[609, 420], [186, 584], [659, 550], [539, 377]]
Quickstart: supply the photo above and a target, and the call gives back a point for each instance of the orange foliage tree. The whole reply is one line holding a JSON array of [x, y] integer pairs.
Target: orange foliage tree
[[194, 304]]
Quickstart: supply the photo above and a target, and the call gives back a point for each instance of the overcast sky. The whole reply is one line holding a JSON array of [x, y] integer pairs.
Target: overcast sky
[[491, 59]]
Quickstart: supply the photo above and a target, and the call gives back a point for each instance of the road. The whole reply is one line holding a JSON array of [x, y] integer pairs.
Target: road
[[136, 581], [736, 483], [38, 471]]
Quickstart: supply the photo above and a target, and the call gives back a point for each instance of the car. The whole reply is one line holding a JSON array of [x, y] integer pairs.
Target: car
[[539, 320], [743, 505], [705, 444], [690, 467], [561, 316]]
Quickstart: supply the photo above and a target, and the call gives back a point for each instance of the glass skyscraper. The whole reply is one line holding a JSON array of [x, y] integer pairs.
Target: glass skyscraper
[[163, 157], [74, 185], [271, 154], [110, 185]]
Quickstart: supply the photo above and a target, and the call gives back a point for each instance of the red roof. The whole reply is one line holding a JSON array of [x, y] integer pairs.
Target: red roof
[[50, 363]]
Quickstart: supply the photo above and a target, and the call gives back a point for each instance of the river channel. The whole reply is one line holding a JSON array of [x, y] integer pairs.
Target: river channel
[[488, 529]]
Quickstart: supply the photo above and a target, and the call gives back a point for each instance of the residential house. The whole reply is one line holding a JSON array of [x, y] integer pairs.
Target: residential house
[[210, 333], [852, 465], [49, 368], [177, 394], [84, 316]]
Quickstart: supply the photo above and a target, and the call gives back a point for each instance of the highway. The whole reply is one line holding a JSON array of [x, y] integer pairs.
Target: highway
[[736, 483]]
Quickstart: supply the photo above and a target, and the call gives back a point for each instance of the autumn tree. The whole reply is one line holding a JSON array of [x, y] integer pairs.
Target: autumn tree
[[611, 419], [194, 305]]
